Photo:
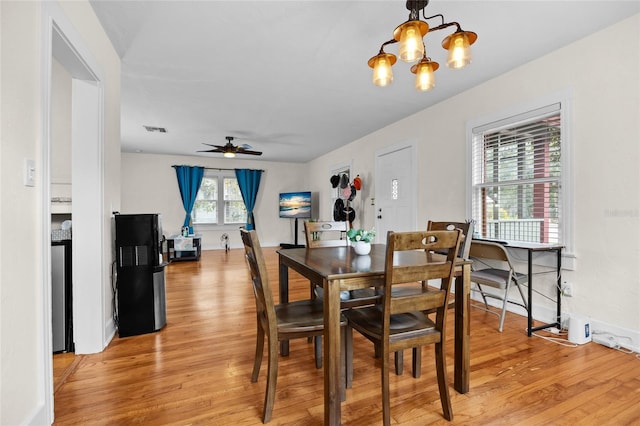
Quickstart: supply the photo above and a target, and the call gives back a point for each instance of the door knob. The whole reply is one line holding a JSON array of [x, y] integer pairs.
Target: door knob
[[379, 216]]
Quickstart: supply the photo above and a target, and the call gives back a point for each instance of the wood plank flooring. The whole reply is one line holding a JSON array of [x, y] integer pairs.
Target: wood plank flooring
[[196, 371]]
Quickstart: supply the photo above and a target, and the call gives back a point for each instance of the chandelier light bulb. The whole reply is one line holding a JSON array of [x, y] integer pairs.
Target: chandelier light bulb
[[459, 51], [410, 36], [424, 71], [382, 73]]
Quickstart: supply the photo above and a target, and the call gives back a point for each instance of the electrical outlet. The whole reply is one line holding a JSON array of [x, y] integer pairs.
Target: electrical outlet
[[567, 289], [605, 340]]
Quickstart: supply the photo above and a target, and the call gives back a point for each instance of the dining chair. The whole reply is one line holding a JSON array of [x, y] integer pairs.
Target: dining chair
[[465, 244], [323, 234], [333, 234], [492, 267], [285, 321], [401, 322], [465, 227]]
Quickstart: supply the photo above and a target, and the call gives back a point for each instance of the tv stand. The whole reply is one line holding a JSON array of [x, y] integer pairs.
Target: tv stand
[[295, 239]]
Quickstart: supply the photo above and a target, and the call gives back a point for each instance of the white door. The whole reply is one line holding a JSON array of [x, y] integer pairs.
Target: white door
[[395, 193]]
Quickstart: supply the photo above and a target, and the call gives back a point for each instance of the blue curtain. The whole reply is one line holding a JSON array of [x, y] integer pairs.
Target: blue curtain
[[249, 182], [189, 180]]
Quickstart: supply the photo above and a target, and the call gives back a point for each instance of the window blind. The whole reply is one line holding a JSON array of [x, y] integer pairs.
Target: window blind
[[516, 177]]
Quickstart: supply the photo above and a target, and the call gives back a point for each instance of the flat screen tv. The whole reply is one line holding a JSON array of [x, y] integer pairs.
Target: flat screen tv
[[295, 205]]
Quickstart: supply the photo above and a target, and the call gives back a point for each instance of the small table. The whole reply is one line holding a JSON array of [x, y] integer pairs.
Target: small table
[[536, 248], [184, 248], [336, 269]]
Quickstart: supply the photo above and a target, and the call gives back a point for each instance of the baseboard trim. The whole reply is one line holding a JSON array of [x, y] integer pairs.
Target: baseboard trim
[[628, 339]]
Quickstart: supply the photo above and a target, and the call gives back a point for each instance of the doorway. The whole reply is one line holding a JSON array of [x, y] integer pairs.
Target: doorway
[[62, 44], [395, 193]]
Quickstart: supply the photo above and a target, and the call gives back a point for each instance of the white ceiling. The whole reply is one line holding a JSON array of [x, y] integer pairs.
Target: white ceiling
[[291, 79]]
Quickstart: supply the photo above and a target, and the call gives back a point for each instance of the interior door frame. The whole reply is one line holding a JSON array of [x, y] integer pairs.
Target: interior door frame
[[61, 40]]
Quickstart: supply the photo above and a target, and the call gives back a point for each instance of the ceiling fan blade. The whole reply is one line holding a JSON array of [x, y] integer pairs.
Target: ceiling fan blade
[[216, 146], [231, 148], [246, 151]]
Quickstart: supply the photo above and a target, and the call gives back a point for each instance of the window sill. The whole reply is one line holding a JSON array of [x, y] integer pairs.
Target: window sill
[[215, 227]]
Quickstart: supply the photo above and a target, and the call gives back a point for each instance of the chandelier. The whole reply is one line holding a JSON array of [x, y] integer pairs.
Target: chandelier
[[412, 48]]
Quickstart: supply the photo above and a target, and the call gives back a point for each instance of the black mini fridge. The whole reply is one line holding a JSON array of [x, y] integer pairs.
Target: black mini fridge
[[141, 305]]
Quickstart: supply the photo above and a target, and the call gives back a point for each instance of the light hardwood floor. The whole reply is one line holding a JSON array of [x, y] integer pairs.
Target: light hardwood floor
[[196, 371]]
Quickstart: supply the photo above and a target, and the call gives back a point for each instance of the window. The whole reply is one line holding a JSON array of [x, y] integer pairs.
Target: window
[[517, 175], [219, 201]]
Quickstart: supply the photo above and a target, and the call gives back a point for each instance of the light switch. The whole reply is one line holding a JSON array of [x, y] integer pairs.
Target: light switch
[[29, 175]]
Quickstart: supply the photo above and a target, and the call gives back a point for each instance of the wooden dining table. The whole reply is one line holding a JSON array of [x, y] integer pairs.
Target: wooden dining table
[[339, 268]]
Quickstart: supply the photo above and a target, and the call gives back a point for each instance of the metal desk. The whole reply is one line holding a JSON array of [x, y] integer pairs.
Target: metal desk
[[536, 248]]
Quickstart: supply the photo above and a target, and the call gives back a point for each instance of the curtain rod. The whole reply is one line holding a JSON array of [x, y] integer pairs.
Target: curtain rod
[[219, 168]]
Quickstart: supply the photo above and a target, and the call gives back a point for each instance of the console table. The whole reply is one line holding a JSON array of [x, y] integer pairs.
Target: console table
[[184, 248]]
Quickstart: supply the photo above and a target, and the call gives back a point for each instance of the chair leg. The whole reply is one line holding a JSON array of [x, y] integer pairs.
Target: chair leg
[[343, 364], [312, 287], [504, 306], [443, 386], [416, 364], [349, 356], [317, 346], [272, 377], [257, 360], [386, 403], [486, 304], [524, 300], [399, 362]]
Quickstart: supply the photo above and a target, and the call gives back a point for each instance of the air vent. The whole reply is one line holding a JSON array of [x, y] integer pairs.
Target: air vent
[[155, 129]]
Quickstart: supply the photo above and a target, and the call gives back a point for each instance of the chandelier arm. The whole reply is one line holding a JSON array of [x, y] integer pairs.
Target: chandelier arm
[[443, 25], [424, 16], [446, 25], [393, 40]]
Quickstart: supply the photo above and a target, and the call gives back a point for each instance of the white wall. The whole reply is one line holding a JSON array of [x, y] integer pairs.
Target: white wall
[[604, 76], [20, 225], [23, 385], [149, 185]]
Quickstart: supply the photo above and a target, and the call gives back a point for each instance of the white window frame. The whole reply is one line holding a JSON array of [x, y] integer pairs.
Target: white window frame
[[220, 175], [522, 112]]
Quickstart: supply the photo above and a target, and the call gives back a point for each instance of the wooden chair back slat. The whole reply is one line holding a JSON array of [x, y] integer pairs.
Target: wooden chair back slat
[[465, 227], [325, 234], [434, 267], [265, 305]]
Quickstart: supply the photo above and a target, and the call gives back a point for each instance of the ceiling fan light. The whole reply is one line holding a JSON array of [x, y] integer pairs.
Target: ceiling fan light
[[410, 36], [458, 45], [381, 64], [425, 78], [229, 154]]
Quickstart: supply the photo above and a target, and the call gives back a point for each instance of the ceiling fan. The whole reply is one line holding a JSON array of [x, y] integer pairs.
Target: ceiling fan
[[230, 150]]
